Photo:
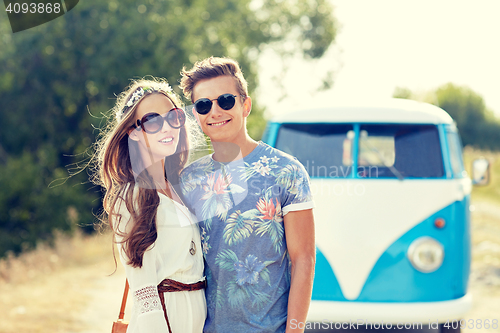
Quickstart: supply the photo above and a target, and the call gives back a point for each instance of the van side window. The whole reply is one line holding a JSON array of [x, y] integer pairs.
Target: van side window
[[455, 149], [325, 150], [399, 150]]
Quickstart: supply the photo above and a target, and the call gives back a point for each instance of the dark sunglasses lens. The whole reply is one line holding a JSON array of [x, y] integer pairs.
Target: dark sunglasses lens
[[176, 118], [203, 105], [226, 101], [152, 123]]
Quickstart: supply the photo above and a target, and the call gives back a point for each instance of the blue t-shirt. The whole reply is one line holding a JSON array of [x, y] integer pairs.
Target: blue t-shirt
[[240, 206]]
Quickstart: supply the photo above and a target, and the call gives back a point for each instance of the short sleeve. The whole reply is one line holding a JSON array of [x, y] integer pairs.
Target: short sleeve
[[296, 187]]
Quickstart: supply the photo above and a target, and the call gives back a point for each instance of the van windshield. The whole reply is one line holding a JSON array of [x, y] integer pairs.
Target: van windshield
[[384, 151]]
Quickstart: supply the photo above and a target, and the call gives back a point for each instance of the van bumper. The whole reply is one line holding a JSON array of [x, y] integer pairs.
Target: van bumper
[[397, 312]]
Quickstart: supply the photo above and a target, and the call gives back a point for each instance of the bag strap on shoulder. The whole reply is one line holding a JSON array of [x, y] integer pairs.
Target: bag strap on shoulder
[[124, 301]]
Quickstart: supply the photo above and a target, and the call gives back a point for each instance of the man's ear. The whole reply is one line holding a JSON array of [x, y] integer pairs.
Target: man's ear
[[132, 134], [247, 106]]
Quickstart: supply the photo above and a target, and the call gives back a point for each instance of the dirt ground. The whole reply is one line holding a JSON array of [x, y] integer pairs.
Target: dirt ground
[[484, 283], [104, 303]]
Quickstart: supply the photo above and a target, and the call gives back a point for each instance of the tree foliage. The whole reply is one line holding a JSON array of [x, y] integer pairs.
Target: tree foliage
[[477, 124], [59, 79]]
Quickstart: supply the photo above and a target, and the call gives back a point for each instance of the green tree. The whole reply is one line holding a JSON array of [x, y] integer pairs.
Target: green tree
[[402, 92], [477, 124], [59, 80]]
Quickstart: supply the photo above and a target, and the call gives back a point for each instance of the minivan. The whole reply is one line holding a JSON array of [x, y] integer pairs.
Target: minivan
[[391, 212]]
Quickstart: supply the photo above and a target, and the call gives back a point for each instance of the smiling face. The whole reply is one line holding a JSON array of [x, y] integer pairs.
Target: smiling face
[[219, 124], [162, 143]]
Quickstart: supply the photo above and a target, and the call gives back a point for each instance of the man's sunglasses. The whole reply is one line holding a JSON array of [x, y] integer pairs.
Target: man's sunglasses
[[225, 101], [153, 122]]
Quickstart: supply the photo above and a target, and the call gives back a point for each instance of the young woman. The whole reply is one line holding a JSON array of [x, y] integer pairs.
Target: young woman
[[139, 160]]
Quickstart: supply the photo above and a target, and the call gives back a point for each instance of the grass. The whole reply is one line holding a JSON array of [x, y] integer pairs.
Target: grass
[[484, 282], [486, 210], [45, 290]]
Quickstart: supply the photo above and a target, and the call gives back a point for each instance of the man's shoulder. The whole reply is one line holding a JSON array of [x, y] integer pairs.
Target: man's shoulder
[[266, 151]]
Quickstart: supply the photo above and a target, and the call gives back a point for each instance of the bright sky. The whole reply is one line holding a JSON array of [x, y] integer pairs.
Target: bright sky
[[418, 44]]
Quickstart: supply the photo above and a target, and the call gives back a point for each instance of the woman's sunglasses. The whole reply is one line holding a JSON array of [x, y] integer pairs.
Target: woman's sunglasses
[[225, 101], [153, 122]]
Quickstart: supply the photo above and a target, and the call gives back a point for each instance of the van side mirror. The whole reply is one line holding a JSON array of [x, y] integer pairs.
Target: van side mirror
[[480, 172]]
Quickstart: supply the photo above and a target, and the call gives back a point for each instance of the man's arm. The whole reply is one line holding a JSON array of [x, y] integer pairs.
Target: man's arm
[[299, 231]]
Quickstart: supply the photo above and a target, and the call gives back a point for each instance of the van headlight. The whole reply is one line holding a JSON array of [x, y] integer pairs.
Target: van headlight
[[426, 254]]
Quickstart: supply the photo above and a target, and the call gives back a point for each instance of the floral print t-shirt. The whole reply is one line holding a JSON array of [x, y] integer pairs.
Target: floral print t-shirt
[[240, 206]]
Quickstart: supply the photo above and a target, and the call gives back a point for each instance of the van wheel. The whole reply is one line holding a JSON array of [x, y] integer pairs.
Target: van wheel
[[443, 329]]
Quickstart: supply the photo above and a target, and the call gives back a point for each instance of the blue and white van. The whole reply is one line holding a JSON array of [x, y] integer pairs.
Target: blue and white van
[[392, 212]]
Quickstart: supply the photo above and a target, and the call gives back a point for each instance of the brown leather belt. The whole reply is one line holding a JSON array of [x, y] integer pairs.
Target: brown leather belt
[[168, 285]]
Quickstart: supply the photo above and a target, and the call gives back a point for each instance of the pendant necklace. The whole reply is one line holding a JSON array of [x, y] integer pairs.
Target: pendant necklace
[[192, 247]]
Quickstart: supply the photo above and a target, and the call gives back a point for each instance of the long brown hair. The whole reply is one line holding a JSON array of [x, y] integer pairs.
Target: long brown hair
[[115, 172]]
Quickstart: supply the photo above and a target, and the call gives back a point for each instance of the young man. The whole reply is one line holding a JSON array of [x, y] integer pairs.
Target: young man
[[255, 210]]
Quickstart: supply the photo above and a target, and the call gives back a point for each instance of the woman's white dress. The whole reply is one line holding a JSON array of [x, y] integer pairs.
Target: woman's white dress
[[168, 257]]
